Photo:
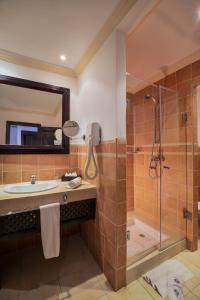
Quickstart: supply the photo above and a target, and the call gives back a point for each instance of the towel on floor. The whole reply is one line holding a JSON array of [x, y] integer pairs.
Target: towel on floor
[[174, 290], [50, 229], [158, 277]]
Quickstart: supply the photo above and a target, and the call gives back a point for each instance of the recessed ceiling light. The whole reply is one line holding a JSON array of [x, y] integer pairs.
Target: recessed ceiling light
[[62, 57]]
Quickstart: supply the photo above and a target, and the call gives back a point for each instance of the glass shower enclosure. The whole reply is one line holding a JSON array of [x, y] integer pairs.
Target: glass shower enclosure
[[156, 169]]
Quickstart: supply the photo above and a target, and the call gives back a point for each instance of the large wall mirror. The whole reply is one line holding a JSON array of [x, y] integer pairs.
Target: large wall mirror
[[31, 116]]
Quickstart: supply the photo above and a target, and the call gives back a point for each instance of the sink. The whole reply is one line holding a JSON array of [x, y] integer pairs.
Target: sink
[[27, 187]]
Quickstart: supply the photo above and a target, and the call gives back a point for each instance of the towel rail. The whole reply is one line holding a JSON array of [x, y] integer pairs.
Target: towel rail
[[26, 220]]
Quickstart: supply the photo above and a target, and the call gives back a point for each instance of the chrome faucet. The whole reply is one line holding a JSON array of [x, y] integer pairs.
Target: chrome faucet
[[33, 179]]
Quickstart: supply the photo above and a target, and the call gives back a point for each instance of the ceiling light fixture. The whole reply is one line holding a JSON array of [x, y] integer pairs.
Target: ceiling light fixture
[[62, 57]]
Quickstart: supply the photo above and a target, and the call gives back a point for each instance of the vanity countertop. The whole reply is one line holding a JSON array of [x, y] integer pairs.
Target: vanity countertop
[[13, 202], [61, 188]]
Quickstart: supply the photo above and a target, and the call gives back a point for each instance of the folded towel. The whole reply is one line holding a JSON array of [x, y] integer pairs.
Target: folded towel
[[72, 184], [174, 288], [50, 229]]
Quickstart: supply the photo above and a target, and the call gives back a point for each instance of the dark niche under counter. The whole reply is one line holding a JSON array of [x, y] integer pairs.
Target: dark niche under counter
[[29, 220]]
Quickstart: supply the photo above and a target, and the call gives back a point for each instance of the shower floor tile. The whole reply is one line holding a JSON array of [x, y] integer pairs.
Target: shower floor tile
[[144, 238]]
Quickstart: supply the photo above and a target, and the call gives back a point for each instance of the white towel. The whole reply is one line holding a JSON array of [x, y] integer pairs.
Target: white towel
[[50, 229], [72, 184], [158, 277], [174, 290]]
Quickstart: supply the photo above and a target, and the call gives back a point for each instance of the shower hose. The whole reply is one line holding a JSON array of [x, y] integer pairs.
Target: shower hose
[[89, 159]]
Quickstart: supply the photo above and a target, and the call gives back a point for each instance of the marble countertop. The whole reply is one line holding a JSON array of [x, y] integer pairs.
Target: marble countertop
[[61, 188], [13, 202]]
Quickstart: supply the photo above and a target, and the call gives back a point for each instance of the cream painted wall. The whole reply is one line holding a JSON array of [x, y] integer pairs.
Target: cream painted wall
[[102, 89], [98, 94], [45, 77], [121, 85]]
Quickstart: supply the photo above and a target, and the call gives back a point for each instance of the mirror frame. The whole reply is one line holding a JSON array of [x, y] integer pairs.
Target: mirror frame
[[65, 92]]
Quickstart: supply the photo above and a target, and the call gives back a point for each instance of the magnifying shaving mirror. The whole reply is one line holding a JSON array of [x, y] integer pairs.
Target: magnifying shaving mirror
[[71, 128]]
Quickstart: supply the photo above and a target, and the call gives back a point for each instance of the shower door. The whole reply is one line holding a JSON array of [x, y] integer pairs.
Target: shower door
[[173, 167], [143, 192], [156, 169]]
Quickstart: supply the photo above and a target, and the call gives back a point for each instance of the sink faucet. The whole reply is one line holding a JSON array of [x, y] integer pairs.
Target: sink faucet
[[33, 179]]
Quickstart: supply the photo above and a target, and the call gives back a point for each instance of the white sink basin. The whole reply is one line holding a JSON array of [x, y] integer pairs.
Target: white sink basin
[[27, 187]]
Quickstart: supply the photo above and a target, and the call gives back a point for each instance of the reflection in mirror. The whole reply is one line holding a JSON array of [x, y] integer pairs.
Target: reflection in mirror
[[30, 117]]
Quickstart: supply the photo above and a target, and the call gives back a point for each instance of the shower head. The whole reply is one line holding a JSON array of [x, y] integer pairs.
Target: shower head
[[148, 96]]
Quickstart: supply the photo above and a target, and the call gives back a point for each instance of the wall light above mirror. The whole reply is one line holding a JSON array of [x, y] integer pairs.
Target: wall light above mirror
[[32, 115]]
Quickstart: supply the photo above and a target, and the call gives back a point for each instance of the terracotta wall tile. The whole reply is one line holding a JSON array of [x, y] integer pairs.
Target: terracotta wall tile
[[196, 69], [184, 74], [120, 191], [11, 163], [46, 174], [11, 177], [121, 235], [60, 161], [60, 172], [110, 227], [116, 212], [121, 168], [170, 81], [46, 162], [26, 175], [111, 274], [111, 253], [29, 162], [53, 165]]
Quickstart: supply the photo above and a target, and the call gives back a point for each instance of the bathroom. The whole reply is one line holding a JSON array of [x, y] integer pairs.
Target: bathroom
[[110, 76]]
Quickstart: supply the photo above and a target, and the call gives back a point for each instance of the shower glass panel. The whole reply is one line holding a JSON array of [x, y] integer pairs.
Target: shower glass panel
[[173, 179], [143, 171], [156, 168]]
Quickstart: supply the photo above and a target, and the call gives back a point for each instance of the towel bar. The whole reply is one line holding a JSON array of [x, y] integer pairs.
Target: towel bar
[[22, 221]]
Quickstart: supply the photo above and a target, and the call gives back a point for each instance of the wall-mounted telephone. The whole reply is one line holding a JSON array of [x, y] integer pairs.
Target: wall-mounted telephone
[[92, 138]]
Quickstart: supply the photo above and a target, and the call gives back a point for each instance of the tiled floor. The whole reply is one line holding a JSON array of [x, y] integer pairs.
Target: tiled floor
[[76, 276]]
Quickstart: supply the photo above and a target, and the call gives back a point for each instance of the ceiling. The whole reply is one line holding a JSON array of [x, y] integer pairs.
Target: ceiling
[[46, 29], [29, 100], [170, 33]]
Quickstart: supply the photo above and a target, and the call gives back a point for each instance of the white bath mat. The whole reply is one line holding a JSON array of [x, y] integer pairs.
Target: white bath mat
[[158, 277]]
